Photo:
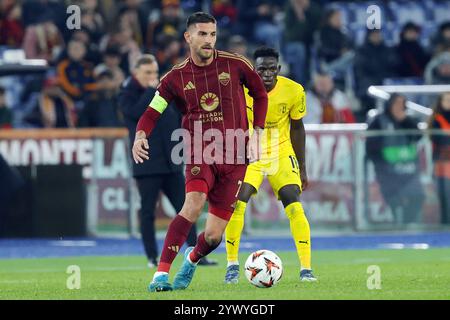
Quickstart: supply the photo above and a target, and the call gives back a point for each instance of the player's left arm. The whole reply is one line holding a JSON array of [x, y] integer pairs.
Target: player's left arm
[[298, 140], [298, 134]]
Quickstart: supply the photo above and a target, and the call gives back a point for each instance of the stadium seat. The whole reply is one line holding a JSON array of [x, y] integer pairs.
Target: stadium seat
[[405, 12]]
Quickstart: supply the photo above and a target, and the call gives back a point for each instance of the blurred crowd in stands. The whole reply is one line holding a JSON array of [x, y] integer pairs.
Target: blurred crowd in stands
[[325, 46]]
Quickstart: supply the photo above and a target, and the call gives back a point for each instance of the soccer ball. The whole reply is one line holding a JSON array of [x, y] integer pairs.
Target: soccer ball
[[263, 269]]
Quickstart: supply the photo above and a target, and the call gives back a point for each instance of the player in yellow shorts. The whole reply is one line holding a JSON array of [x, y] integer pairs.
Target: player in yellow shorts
[[282, 162]]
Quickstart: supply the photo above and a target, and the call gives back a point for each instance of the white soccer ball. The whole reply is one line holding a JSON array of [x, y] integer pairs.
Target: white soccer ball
[[263, 269]]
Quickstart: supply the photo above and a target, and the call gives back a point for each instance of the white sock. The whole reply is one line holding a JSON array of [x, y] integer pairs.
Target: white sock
[[232, 263], [189, 259], [159, 273]]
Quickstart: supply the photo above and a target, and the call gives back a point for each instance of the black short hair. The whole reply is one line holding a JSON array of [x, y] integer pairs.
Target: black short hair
[[145, 59], [266, 52], [199, 17]]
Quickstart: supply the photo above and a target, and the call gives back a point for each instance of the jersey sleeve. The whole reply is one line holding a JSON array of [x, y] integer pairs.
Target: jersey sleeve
[[298, 107], [163, 95]]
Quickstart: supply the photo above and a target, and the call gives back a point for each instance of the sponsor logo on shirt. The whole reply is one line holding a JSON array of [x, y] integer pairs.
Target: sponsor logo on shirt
[[209, 101], [189, 86]]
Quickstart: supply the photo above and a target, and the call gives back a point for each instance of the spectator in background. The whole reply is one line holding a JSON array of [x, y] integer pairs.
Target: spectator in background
[[437, 70], [441, 42], [129, 20], [168, 53], [11, 28], [43, 41], [225, 12], [55, 106], [5, 112], [101, 108], [128, 48], [93, 54], [35, 11], [75, 74], [259, 17], [327, 104], [374, 61], [396, 159], [237, 44], [335, 47], [440, 120], [412, 57], [133, 15], [169, 23], [92, 20], [111, 63], [301, 22]]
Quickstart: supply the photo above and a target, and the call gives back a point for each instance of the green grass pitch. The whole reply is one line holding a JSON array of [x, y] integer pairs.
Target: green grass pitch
[[405, 274]]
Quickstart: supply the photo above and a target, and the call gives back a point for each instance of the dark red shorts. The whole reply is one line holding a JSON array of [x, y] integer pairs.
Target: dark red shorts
[[221, 183]]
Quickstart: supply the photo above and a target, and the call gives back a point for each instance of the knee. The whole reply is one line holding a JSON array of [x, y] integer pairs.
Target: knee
[[289, 194], [213, 237], [247, 190], [193, 206]]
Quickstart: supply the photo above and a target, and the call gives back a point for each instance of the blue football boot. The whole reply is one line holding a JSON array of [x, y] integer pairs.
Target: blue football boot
[[184, 276], [160, 283], [307, 275], [232, 275]]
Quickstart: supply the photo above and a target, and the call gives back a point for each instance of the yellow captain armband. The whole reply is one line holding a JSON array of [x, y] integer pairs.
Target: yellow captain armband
[[158, 103]]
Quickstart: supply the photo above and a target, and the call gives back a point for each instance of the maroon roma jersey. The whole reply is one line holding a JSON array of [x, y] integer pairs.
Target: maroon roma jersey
[[212, 96]]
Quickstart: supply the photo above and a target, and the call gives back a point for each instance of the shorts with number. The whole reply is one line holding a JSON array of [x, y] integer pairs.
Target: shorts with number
[[223, 183], [280, 172]]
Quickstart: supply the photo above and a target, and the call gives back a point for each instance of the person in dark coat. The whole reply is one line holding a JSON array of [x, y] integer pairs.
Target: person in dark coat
[[374, 61], [333, 43], [440, 120], [159, 173], [396, 160], [412, 56]]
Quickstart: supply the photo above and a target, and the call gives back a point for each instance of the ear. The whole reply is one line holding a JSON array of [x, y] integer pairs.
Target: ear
[[279, 67], [187, 37]]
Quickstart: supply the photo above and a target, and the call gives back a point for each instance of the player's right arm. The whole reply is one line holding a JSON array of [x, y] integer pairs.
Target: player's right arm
[[149, 118]]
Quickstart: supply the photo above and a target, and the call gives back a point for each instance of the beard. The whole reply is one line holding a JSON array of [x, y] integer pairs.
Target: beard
[[205, 55]]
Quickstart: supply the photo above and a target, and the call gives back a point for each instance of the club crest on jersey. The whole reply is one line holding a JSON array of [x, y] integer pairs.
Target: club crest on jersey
[[283, 107], [302, 105], [224, 78], [209, 101]]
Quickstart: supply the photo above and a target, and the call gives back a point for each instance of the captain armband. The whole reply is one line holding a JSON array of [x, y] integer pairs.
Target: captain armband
[[158, 103]]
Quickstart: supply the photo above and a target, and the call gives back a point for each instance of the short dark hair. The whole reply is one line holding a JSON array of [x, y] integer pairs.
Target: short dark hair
[[199, 17], [112, 51], [145, 59], [266, 52]]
